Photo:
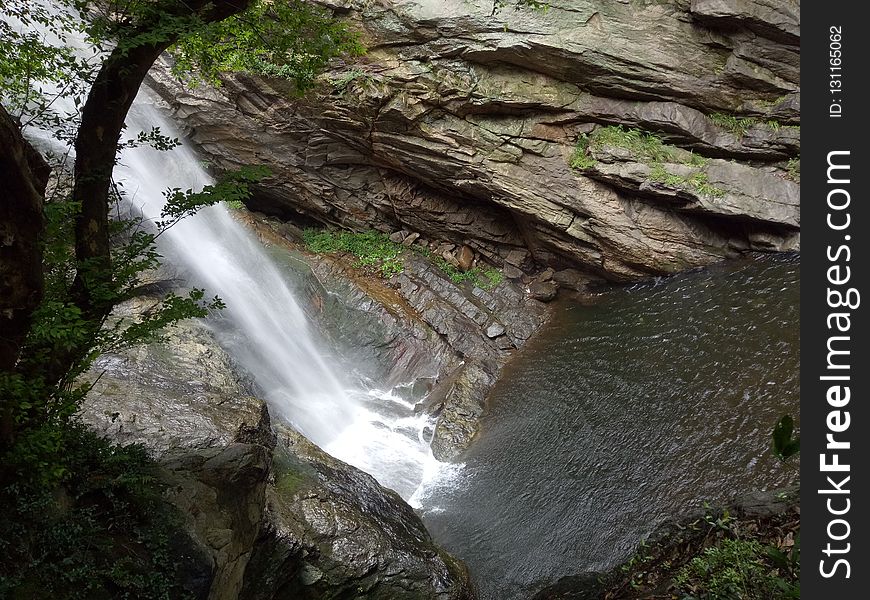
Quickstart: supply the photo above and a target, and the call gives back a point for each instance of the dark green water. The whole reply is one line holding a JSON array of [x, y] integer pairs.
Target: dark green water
[[636, 408]]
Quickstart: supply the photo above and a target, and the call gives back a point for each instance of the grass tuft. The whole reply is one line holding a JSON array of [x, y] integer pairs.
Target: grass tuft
[[373, 250], [645, 146], [698, 181], [581, 159], [794, 169]]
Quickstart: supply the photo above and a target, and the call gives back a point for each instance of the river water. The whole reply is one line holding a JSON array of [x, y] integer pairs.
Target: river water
[[635, 407]]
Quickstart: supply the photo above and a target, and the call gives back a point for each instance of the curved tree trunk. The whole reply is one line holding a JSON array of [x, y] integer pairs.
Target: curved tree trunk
[[103, 117]]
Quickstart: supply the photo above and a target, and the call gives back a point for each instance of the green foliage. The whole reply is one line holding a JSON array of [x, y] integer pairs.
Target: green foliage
[[736, 125], [581, 159], [740, 125], [794, 169], [539, 5], [736, 569], [646, 147], [342, 82], [34, 70], [289, 39], [234, 186], [697, 181], [785, 443], [373, 250], [100, 529], [484, 278]]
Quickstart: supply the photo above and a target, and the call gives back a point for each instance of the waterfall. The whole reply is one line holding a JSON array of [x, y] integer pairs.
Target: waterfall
[[263, 327]]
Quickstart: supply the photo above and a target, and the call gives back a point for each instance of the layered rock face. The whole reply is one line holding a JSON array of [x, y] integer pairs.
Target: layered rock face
[[271, 516], [463, 120]]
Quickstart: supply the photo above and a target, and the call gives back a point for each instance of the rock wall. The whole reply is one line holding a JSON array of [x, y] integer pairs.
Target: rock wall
[[462, 120]]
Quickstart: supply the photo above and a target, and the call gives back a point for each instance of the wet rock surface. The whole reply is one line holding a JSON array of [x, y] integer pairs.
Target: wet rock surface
[[460, 123], [269, 516], [333, 532]]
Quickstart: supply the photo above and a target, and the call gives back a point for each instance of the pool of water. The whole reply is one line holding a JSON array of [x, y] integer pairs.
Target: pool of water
[[636, 406]]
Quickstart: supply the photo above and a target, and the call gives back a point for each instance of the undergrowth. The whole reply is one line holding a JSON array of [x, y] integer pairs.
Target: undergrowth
[[718, 557], [100, 529]]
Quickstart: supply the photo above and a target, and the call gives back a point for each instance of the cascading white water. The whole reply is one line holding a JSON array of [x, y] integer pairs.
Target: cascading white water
[[263, 327], [228, 261]]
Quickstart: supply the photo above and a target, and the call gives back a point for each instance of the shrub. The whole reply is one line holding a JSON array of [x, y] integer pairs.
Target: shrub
[[735, 569]]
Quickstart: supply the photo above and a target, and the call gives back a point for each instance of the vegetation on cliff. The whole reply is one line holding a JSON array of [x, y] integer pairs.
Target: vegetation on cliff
[[375, 251]]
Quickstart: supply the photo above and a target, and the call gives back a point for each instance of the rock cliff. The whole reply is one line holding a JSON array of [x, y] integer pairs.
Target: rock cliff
[[614, 140]]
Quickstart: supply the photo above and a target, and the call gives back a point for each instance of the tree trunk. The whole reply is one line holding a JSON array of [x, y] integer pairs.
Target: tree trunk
[[103, 117], [24, 174]]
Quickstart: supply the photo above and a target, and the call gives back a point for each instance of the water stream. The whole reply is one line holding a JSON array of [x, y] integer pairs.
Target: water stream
[[263, 327], [622, 413]]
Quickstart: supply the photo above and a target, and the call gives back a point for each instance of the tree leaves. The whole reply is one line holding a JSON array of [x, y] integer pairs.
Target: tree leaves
[[288, 39]]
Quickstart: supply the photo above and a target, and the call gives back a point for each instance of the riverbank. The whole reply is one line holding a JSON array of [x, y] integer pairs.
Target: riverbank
[[749, 550]]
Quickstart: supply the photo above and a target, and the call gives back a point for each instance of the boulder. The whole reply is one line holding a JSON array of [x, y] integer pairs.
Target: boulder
[[465, 258], [267, 518], [545, 291], [333, 532]]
